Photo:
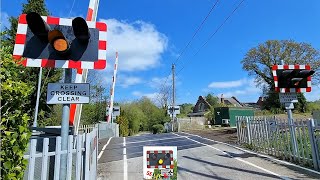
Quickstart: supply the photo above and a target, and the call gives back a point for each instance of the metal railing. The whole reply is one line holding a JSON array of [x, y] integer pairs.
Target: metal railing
[[271, 136], [45, 153]]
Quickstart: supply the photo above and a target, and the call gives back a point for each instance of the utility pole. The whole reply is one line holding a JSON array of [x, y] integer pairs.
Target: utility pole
[[173, 96]]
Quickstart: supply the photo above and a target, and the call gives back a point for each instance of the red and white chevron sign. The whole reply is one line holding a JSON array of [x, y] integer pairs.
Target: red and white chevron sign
[[288, 67], [19, 46]]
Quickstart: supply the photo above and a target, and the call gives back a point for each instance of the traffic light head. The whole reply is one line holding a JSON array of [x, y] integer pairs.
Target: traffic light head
[[45, 39], [292, 78], [160, 159], [37, 26]]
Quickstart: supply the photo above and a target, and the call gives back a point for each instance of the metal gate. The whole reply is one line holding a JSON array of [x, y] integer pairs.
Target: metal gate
[[270, 135]]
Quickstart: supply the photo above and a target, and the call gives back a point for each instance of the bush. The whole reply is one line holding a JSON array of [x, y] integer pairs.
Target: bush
[[158, 128]]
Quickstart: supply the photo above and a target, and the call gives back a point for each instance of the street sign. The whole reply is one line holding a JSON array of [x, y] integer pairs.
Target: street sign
[[176, 109], [159, 157], [288, 97], [168, 172], [116, 111], [272, 125], [68, 93]]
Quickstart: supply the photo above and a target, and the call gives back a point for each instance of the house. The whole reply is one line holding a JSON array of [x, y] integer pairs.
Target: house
[[256, 105], [233, 101], [202, 106]]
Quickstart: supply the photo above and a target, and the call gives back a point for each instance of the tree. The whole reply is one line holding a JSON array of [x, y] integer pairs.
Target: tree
[[259, 60], [212, 100], [185, 109], [165, 96], [30, 75], [15, 133]]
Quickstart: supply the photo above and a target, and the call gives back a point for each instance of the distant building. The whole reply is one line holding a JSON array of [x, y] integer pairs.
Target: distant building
[[202, 106], [256, 105], [233, 101]]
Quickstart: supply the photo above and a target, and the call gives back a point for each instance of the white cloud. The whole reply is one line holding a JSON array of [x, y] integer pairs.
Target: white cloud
[[158, 82], [243, 89], [129, 81], [152, 96], [4, 20], [229, 84], [314, 94], [139, 44]]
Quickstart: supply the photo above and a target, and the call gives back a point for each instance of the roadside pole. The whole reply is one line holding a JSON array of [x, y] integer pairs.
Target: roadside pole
[[82, 74], [65, 129], [114, 77], [38, 99], [289, 106], [173, 96]]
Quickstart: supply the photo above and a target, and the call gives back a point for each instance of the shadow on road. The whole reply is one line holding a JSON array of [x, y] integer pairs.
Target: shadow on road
[[233, 168], [201, 174]]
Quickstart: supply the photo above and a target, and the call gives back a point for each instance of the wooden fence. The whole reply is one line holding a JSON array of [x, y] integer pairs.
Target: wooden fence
[[44, 159], [272, 136]]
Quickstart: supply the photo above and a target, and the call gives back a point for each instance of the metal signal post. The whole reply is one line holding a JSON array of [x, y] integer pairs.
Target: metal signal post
[[290, 80]]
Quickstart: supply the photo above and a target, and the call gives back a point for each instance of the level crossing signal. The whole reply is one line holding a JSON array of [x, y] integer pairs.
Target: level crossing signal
[[292, 78], [75, 43]]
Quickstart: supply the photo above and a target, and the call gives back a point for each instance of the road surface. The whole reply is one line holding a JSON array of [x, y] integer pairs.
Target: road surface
[[198, 159]]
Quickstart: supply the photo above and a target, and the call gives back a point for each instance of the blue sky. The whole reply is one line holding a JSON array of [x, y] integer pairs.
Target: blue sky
[[149, 35]]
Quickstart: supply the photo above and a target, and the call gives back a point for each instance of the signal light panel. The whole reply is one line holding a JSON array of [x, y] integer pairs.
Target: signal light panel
[[60, 43], [292, 78]]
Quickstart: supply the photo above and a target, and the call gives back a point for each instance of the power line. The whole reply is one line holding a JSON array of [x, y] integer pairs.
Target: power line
[[193, 36], [215, 32], [71, 8], [196, 32]]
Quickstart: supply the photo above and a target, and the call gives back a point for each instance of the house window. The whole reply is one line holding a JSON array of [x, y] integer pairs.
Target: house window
[[201, 107]]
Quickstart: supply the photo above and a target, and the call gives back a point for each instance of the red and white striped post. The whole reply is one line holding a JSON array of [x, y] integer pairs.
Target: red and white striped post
[[112, 88], [81, 76]]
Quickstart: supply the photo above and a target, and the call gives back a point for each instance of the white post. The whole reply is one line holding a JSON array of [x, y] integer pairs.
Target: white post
[[112, 89], [81, 75], [38, 99]]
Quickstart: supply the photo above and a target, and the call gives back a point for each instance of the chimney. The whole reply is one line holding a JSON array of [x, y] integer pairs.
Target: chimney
[[222, 99]]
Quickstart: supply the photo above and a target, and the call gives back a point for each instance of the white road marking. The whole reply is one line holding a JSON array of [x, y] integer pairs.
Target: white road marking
[[125, 165], [154, 140], [258, 154], [104, 147], [239, 159]]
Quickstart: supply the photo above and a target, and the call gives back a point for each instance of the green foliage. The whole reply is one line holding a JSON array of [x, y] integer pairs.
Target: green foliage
[[210, 115], [158, 128], [212, 100], [95, 111], [175, 170], [259, 61], [30, 75], [123, 126], [31, 6], [141, 115], [312, 106], [14, 119], [185, 109]]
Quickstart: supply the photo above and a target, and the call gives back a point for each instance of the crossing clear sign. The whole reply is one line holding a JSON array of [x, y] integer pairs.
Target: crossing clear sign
[[288, 97], [68, 93]]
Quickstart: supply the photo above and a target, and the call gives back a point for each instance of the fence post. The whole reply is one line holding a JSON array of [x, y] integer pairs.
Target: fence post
[[238, 129], [32, 158], [248, 130], [313, 143]]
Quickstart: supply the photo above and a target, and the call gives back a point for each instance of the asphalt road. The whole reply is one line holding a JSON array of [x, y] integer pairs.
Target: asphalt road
[[198, 159]]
